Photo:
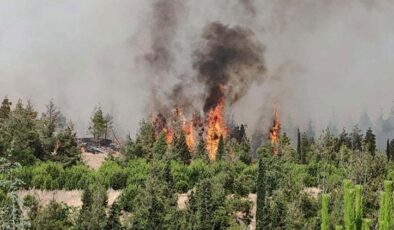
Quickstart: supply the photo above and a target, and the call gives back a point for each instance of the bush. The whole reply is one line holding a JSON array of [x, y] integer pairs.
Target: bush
[[137, 171], [114, 175], [128, 196], [78, 177]]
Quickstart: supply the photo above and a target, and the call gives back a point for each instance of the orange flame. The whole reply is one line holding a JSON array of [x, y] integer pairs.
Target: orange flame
[[216, 128], [275, 133], [187, 128]]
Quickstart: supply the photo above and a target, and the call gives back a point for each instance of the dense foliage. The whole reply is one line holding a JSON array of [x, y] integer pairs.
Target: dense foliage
[[333, 180]]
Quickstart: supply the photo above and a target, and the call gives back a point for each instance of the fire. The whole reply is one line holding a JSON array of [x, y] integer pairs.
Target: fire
[[275, 132], [212, 127], [160, 125], [169, 132], [187, 128], [216, 128]]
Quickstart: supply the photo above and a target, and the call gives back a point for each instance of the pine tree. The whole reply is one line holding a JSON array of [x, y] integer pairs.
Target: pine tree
[[113, 222], [160, 147], [98, 124], [181, 149], [53, 216], [11, 213], [370, 141], [388, 152], [261, 183], [201, 152], [356, 138], [221, 151], [324, 212], [392, 150], [67, 151], [5, 109], [299, 149], [92, 214]]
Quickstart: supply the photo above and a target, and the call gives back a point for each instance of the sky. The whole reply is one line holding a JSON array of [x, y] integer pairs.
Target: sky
[[321, 57]]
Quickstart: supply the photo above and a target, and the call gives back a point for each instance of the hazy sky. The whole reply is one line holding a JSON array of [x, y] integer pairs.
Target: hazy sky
[[321, 56]]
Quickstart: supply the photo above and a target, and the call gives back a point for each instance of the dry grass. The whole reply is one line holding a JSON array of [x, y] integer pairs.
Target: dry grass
[[182, 201], [95, 160], [72, 198]]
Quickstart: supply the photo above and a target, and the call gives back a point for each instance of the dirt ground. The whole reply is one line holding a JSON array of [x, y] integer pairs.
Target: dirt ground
[[95, 160], [72, 198]]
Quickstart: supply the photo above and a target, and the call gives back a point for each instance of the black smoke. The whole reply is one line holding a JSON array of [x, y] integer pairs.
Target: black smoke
[[228, 62]]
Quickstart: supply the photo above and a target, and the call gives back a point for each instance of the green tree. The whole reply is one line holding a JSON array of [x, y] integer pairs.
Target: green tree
[[92, 214], [5, 109], [356, 138], [98, 124], [299, 148], [392, 150], [160, 147], [143, 144], [388, 152], [221, 151], [11, 213], [325, 225], [261, 191], [366, 225], [201, 151], [210, 211], [348, 198], [113, 222], [67, 151], [19, 137], [386, 207], [370, 141], [54, 216], [358, 206], [181, 149]]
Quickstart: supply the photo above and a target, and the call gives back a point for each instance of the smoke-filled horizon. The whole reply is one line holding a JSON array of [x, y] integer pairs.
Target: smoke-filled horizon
[[312, 60]]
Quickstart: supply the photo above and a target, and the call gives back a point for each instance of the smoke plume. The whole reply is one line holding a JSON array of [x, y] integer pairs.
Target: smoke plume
[[229, 62], [137, 57]]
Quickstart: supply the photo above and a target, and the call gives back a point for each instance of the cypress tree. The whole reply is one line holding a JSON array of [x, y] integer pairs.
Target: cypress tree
[[386, 207], [324, 212], [299, 149], [260, 196], [388, 152], [358, 206], [221, 152], [113, 222], [392, 150], [181, 149], [348, 198], [366, 224], [370, 141], [201, 152], [5, 109], [160, 147]]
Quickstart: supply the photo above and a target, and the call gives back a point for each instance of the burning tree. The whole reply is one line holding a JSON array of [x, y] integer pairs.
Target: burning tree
[[275, 134]]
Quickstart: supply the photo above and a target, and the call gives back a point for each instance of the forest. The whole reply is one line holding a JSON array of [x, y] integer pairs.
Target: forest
[[330, 181]]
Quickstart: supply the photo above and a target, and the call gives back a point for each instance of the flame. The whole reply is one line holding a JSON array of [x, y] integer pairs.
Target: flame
[[160, 125], [275, 133], [216, 128], [187, 128], [169, 132]]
